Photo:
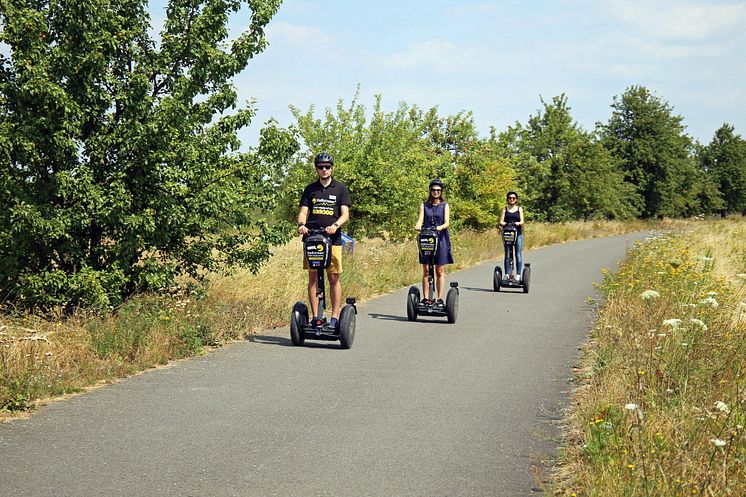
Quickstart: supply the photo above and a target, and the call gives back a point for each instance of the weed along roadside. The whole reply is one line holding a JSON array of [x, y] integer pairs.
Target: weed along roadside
[[660, 408], [43, 357]]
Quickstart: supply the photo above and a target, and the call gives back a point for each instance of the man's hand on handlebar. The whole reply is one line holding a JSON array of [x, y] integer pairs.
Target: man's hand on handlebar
[[302, 229]]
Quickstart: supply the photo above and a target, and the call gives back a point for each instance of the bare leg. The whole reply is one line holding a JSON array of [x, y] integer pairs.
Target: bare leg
[[312, 298], [335, 288], [425, 286], [440, 279]]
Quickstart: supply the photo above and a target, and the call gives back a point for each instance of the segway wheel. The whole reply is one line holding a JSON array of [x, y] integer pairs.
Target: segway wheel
[[298, 321], [347, 319], [526, 279], [497, 277], [413, 299], [452, 305]]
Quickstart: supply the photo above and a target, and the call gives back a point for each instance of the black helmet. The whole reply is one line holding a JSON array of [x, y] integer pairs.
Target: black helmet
[[323, 158], [437, 181]]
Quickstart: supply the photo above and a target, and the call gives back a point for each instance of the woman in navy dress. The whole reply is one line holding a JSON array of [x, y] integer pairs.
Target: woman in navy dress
[[436, 214]]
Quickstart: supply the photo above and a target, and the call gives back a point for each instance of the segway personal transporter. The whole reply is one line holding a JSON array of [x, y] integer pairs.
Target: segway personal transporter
[[510, 235], [317, 249], [427, 242]]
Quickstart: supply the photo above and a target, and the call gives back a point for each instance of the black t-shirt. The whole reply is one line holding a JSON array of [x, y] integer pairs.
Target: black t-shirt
[[325, 205]]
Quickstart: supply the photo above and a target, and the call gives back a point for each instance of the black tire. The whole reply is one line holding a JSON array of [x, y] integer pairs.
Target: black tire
[[413, 299], [347, 319], [298, 321], [452, 305], [497, 277], [526, 279]]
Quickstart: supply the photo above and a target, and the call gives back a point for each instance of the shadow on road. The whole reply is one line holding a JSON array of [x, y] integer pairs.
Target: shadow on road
[[270, 340], [474, 289], [387, 317]]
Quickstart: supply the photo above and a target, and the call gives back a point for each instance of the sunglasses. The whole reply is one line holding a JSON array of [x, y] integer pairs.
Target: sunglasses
[[435, 190], [326, 166], [512, 198]]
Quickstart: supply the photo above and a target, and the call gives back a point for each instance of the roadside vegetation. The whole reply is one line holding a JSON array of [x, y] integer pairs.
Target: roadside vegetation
[[47, 356], [660, 404]]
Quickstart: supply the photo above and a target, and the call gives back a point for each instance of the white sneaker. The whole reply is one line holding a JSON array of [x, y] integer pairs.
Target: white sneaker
[[518, 277]]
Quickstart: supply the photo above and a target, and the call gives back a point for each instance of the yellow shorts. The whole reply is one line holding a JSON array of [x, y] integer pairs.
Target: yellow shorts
[[335, 265]]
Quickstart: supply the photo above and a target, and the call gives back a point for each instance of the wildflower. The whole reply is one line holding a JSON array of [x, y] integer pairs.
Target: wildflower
[[699, 324], [673, 323], [717, 442], [710, 301], [741, 275], [722, 406], [631, 406], [649, 294], [712, 294], [631, 466]]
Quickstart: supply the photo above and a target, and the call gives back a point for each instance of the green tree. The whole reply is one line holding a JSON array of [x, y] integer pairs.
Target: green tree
[[649, 141], [564, 173], [386, 162], [120, 159], [724, 161]]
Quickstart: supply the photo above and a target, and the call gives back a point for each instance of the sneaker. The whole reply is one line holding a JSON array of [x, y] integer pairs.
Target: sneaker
[[517, 277], [440, 303], [334, 323], [424, 301]]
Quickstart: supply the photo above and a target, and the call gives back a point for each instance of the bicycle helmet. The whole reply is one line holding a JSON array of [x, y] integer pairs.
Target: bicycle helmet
[[437, 181], [323, 158]]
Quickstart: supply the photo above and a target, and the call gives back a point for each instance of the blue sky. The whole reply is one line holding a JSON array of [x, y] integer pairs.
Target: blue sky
[[497, 58]]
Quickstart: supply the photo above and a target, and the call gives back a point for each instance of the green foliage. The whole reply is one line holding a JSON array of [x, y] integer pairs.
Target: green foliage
[[724, 161], [386, 163], [564, 173], [654, 152], [121, 157]]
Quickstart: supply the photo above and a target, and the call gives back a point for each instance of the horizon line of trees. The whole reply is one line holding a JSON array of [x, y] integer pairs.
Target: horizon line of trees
[[122, 170], [639, 164]]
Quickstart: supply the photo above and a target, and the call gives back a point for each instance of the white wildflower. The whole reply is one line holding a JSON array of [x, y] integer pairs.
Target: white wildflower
[[631, 406], [649, 294], [711, 301], [712, 294], [673, 323], [699, 324], [741, 275], [722, 406], [717, 442]]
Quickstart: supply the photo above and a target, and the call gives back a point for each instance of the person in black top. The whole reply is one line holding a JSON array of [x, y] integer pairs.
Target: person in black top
[[325, 204], [513, 214]]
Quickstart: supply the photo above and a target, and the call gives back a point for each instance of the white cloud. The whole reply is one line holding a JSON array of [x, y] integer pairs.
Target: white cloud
[[283, 33], [680, 21], [431, 55]]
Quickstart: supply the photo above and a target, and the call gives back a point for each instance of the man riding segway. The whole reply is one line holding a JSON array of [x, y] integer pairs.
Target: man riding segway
[[324, 209]]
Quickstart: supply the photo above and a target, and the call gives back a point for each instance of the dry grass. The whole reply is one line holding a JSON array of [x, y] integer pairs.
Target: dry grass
[[42, 357], [661, 405]]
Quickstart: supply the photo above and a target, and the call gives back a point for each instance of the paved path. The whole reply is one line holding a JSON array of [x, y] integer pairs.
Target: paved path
[[413, 409]]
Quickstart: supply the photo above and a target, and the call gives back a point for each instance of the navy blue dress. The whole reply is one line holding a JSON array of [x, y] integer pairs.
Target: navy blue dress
[[435, 215]]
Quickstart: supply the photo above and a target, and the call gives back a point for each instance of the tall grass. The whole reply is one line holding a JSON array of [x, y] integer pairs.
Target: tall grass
[[44, 356], [660, 408]]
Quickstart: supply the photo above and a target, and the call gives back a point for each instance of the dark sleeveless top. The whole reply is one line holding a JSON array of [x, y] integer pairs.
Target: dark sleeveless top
[[514, 217], [435, 215]]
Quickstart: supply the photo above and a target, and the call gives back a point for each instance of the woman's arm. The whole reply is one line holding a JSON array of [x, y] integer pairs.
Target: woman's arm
[[421, 218], [446, 218], [520, 213], [502, 217]]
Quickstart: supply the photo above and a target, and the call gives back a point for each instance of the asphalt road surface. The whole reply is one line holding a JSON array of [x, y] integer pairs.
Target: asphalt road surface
[[413, 409]]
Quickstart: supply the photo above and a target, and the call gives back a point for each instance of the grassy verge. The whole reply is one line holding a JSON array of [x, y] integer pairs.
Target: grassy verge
[[660, 407], [42, 357]]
